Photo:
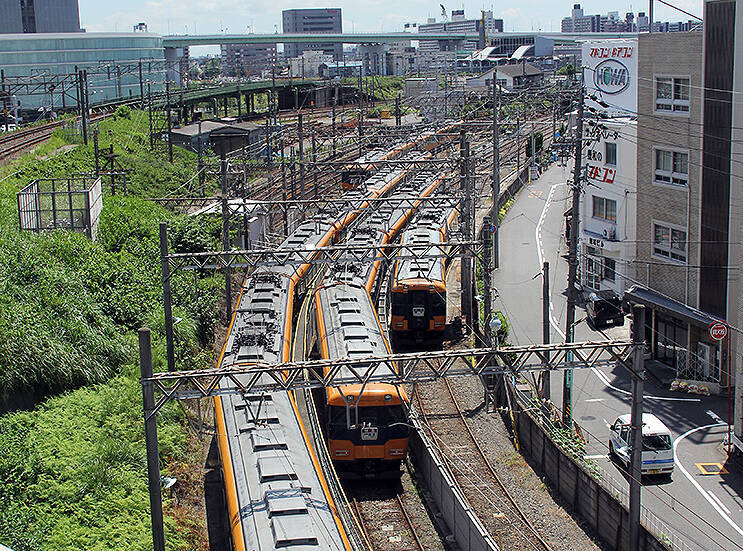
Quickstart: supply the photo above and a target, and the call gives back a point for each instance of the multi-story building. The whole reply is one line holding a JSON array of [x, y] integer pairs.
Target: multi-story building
[[578, 22], [690, 202], [459, 24], [39, 16], [247, 59], [315, 20], [308, 64], [608, 207]]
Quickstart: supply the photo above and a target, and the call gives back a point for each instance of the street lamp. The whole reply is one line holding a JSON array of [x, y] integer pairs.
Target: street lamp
[[495, 325]]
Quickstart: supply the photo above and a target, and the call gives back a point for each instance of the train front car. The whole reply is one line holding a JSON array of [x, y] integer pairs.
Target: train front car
[[418, 290], [366, 427]]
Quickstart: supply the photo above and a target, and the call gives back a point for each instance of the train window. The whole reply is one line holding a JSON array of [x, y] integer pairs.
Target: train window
[[337, 416]]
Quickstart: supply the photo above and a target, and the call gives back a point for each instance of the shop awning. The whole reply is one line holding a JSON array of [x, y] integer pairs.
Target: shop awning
[[657, 301]]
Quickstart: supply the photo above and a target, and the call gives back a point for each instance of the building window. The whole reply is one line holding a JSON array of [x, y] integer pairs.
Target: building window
[[611, 154], [610, 269], [592, 273], [671, 167], [605, 209], [669, 242], [672, 94]]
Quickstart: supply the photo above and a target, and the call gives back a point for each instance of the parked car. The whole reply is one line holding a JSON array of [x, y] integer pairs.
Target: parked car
[[604, 308], [657, 447]]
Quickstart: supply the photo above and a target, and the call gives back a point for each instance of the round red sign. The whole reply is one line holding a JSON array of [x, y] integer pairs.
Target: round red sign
[[718, 330]]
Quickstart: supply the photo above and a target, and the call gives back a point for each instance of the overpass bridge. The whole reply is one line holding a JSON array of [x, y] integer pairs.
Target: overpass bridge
[[179, 41]]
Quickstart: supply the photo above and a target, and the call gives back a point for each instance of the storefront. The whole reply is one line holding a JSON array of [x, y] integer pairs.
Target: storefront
[[680, 337]]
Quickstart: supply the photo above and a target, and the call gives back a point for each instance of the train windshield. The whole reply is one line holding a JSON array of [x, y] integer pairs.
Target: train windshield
[[378, 416]]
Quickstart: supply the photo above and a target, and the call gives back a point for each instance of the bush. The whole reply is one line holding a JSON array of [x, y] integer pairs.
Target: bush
[[123, 112]]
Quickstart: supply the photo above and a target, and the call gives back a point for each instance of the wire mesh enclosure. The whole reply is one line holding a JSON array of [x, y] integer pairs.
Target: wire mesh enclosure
[[61, 203]]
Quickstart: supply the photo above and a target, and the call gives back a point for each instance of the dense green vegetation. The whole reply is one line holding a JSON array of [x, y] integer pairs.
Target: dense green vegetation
[[72, 471], [379, 88]]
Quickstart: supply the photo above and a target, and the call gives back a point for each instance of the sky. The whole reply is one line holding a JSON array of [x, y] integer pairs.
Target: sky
[[264, 16]]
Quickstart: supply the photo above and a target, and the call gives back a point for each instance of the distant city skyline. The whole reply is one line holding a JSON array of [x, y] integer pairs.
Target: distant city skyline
[[262, 16]]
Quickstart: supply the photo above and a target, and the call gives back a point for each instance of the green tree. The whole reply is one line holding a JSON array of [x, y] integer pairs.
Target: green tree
[[212, 68]]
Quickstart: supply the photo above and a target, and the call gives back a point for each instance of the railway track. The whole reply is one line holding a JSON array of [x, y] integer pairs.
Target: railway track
[[447, 426], [18, 141], [386, 521]]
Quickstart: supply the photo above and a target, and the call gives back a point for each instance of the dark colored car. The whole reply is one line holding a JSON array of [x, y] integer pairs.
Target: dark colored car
[[604, 308]]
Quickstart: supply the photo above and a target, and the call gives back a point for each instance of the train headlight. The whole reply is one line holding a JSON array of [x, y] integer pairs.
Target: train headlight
[[341, 453], [396, 452]]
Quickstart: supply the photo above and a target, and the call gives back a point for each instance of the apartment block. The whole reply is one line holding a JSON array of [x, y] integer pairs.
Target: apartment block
[[314, 20]]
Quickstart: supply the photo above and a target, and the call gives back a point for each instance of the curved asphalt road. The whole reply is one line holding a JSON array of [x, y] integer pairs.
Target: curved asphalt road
[[706, 511]]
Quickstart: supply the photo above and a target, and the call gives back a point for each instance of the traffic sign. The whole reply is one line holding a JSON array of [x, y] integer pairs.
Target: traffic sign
[[492, 229], [718, 330]]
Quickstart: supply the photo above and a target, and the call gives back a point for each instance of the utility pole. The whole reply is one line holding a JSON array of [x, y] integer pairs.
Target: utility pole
[[96, 152], [150, 437], [638, 383], [518, 148], [167, 301], [465, 217], [546, 390], [496, 172], [141, 86], [335, 102], [361, 112], [149, 109], [300, 135], [200, 165], [398, 114], [225, 228], [533, 147], [167, 112], [567, 381], [314, 165]]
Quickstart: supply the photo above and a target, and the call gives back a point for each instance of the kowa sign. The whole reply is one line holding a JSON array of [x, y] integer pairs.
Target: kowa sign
[[611, 74]]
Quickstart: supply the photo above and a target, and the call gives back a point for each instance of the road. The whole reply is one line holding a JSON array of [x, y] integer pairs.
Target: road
[[704, 510]]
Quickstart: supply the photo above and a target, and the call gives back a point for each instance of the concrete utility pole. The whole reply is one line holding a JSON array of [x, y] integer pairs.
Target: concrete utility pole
[[149, 109], [465, 217], [150, 436], [638, 383], [533, 147], [518, 148], [300, 135], [496, 172], [167, 301], [167, 112], [225, 228], [546, 390], [398, 113], [567, 381]]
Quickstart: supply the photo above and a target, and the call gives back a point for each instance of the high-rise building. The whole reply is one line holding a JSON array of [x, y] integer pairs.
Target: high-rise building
[[315, 20], [39, 16], [243, 60], [578, 22]]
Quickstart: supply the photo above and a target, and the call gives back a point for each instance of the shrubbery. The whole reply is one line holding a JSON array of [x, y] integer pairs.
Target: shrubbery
[[72, 471]]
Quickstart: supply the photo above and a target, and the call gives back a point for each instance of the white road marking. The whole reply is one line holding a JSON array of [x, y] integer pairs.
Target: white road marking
[[594, 400], [553, 321], [599, 456], [701, 490], [715, 417], [717, 500]]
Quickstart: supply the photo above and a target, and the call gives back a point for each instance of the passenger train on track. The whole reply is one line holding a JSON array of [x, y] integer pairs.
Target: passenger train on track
[[366, 424], [418, 289], [277, 494]]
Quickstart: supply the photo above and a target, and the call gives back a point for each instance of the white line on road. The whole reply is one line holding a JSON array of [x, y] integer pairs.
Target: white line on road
[[696, 484], [715, 417], [717, 500], [599, 456], [594, 400], [553, 321]]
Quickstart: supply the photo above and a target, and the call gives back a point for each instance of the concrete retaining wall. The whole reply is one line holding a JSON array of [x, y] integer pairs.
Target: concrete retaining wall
[[467, 529]]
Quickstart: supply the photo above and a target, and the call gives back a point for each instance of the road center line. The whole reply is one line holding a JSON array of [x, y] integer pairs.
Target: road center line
[[696, 484]]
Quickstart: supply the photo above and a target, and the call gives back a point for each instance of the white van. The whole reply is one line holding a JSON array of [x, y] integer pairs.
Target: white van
[[657, 446]]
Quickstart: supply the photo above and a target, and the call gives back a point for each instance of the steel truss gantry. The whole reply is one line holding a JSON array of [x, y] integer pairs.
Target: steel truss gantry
[[417, 367]]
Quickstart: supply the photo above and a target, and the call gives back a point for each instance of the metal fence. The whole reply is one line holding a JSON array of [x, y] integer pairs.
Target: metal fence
[[73, 203]]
